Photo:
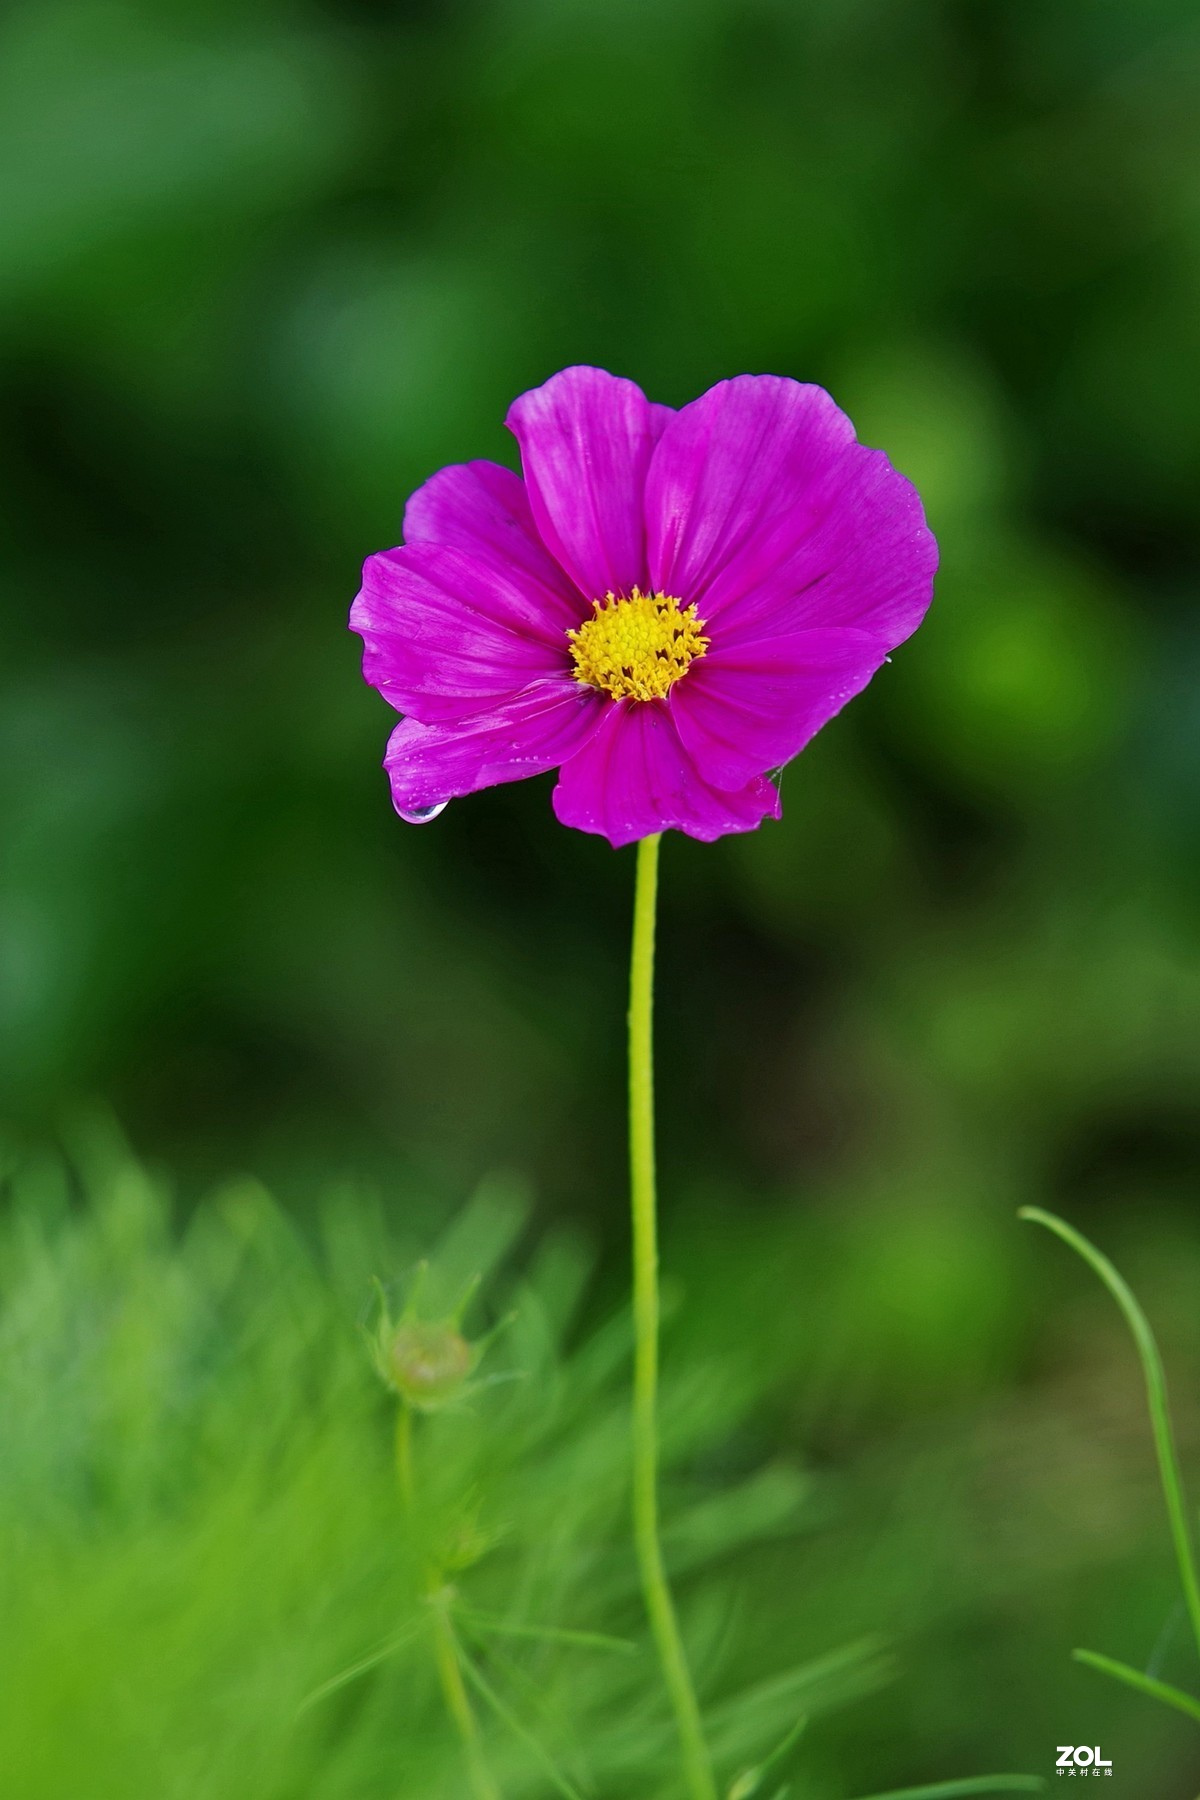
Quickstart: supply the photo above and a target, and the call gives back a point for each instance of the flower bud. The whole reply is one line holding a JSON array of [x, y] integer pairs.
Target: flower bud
[[427, 1362]]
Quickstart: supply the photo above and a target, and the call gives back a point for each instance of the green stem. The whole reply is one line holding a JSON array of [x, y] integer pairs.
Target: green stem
[[404, 1462], [1156, 1395], [445, 1645], [458, 1704], [696, 1766]]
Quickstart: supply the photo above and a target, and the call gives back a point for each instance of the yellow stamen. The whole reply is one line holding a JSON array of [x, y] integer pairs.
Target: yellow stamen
[[636, 647]]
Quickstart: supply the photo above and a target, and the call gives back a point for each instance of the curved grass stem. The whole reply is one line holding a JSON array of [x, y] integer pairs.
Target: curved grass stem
[[697, 1769], [1156, 1395]]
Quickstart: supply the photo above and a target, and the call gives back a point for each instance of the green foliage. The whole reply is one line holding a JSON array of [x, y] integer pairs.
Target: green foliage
[[208, 1571]]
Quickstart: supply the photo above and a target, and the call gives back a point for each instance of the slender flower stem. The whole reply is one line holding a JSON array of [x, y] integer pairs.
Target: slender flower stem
[[663, 1623], [404, 1456], [445, 1643]]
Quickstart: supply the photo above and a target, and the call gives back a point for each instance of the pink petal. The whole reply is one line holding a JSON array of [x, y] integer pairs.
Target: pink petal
[[445, 636], [483, 510], [763, 508], [586, 439], [870, 564], [536, 730], [742, 710], [660, 418], [634, 777]]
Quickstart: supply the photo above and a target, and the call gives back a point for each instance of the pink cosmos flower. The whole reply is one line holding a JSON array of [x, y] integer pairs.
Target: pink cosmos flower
[[665, 609]]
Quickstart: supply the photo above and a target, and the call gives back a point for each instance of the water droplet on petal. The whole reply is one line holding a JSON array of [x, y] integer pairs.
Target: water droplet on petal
[[421, 815]]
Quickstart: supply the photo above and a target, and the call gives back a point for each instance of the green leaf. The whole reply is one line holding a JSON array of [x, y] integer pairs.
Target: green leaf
[[973, 1784], [751, 1780], [371, 1661], [550, 1634], [1145, 1684], [507, 1717]]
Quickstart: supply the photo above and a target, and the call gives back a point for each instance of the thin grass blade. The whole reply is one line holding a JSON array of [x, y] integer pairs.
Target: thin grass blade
[[508, 1717], [1156, 1394], [550, 1634], [1145, 1684], [973, 1784], [389, 1647]]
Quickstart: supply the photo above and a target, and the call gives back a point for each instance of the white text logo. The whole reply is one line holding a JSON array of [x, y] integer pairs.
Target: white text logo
[[1082, 1759]]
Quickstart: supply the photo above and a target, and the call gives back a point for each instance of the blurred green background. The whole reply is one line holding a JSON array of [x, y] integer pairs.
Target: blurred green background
[[262, 270]]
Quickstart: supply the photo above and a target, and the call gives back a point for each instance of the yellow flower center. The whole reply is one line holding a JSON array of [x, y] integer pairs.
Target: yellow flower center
[[636, 647]]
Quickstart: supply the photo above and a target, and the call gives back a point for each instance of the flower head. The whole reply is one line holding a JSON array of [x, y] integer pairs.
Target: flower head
[[428, 1362], [665, 609]]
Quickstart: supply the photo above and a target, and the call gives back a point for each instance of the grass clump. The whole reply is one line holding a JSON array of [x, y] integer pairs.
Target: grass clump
[[212, 1585]]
